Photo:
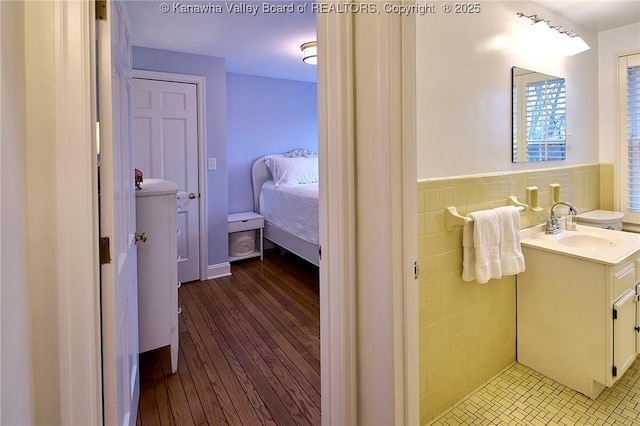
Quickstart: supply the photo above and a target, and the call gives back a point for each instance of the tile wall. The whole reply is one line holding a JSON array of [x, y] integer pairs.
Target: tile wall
[[468, 330]]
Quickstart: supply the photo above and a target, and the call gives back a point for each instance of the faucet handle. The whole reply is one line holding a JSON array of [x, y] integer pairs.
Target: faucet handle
[[552, 225]]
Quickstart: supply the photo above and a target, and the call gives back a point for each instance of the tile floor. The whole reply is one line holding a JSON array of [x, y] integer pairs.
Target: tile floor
[[522, 396]]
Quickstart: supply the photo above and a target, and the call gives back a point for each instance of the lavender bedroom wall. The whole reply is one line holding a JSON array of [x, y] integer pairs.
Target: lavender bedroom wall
[[264, 116], [213, 69]]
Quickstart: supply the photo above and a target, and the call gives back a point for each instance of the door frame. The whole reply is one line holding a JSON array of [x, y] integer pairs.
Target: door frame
[[343, 401], [200, 82], [369, 359], [68, 387]]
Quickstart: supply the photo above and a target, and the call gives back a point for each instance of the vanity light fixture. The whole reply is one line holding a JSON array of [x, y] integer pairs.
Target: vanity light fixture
[[567, 41], [310, 52]]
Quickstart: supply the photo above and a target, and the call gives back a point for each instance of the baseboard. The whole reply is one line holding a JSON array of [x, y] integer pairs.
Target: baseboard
[[219, 270]]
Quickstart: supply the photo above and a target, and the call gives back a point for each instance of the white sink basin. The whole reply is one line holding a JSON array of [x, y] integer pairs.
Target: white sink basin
[[589, 242], [596, 244]]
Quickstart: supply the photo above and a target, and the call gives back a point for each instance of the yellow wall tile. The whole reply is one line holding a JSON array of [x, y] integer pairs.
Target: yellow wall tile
[[468, 330]]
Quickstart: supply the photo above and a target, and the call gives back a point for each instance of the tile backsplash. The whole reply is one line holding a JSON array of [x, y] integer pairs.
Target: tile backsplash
[[468, 330]]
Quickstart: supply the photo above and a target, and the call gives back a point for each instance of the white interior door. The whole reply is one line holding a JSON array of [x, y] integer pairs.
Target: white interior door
[[119, 290], [165, 128]]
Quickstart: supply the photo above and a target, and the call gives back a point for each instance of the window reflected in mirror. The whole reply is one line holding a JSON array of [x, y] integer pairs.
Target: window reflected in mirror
[[539, 116]]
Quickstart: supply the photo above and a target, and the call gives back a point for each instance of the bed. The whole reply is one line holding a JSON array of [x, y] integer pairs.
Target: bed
[[289, 203]]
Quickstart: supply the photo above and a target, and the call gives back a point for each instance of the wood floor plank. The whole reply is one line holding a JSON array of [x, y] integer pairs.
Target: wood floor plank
[[254, 371], [276, 293], [264, 357], [287, 304], [160, 393], [249, 351], [274, 313], [278, 316], [180, 410], [282, 291], [148, 408], [241, 401], [279, 342], [201, 398]]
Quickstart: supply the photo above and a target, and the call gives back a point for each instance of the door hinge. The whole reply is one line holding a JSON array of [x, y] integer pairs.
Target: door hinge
[[104, 250], [637, 329], [320, 252], [615, 314], [614, 371], [416, 270], [101, 10]]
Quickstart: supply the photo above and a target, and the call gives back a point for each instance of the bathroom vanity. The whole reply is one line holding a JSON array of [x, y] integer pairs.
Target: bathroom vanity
[[578, 315]]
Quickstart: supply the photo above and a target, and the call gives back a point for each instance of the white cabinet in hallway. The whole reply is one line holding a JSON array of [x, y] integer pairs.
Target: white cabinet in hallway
[[157, 267]]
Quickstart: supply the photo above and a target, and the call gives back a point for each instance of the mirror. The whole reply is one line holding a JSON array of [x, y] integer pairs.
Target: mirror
[[539, 116]]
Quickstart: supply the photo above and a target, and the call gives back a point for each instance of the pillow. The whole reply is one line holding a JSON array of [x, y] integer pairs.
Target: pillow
[[300, 152], [292, 171]]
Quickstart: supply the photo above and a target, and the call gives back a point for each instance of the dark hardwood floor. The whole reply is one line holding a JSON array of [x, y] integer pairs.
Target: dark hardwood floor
[[249, 350]]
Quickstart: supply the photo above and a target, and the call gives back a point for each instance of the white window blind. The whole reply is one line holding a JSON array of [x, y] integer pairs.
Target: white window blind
[[633, 136], [546, 120], [628, 165]]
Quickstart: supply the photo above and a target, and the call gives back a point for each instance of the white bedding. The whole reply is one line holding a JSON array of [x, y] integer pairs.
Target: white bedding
[[293, 208]]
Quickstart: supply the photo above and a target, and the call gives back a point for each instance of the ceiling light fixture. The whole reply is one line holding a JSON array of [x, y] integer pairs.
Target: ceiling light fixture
[[567, 41], [310, 52]]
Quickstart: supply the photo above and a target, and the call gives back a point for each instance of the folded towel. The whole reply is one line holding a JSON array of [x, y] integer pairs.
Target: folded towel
[[486, 240], [511, 257], [468, 252]]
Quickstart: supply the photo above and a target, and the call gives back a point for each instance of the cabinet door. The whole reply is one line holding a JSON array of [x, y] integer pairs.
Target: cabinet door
[[624, 333], [637, 320]]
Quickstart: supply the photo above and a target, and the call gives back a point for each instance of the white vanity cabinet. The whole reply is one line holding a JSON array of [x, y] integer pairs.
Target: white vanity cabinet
[[577, 318], [158, 267]]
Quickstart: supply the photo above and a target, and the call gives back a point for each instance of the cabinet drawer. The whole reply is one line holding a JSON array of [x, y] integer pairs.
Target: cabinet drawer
[[247, 224], [623, 280]]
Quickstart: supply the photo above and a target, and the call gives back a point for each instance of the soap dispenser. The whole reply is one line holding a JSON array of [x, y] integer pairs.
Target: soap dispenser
[[571, 220]]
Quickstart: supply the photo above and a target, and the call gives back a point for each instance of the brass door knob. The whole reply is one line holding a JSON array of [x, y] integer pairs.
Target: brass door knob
[[141, 237]]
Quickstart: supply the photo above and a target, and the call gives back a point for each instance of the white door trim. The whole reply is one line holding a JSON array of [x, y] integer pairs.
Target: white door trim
[[380, 214], [411, 335], [69, 112], [368, 292], [77, 214], [199, 81], [336, 148], [384, 247]]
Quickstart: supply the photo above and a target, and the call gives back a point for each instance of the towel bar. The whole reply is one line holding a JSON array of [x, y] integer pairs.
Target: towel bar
[[454, 220]]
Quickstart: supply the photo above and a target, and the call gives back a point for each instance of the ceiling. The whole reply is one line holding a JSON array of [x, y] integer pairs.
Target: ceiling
[[268, 44], [596, 15], [264, 43]]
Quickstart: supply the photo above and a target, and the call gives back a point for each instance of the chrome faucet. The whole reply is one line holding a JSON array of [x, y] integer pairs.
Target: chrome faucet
[[553, 227]]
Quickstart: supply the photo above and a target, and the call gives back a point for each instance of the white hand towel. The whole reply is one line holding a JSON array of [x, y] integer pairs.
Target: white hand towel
[[486, 240], [511, 258], [468, 252]]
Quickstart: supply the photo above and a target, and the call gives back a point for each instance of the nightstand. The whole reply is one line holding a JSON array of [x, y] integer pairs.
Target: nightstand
[[247, 221]]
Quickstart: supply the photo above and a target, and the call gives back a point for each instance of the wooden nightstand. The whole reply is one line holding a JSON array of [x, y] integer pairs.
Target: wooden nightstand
[[247, 221]]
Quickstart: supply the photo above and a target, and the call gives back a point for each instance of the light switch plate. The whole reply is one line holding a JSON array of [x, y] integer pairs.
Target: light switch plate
[[211, 164]]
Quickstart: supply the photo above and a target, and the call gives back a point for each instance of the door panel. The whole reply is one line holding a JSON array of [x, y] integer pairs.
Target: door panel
[[165, 124], [117, 222], [637, 328], [624, 338]]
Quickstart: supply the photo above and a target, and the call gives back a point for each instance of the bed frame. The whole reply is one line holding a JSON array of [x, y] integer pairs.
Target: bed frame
[[310, 252]]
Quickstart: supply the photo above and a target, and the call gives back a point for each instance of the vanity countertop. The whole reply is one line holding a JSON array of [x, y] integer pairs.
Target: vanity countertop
[[589, 243]]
